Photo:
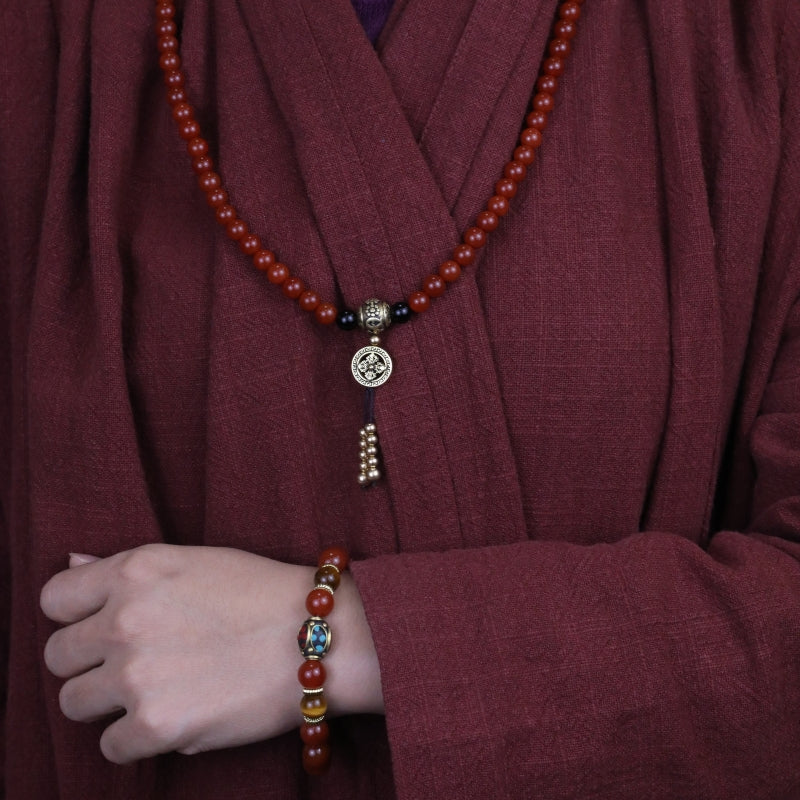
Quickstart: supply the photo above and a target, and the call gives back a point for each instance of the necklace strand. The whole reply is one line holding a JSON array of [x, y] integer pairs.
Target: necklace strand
[[473, 238], [371, 366]]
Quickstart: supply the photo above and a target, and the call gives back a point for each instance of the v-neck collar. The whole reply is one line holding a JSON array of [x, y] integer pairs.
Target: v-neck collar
[[390, 112]]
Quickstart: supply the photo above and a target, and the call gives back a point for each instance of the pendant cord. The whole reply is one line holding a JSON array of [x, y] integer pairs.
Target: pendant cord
[[369, 406]]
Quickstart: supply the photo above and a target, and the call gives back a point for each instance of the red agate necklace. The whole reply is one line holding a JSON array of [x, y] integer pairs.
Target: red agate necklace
[[371, 365]]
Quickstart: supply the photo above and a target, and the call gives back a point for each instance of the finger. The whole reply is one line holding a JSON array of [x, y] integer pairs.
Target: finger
[[76, 593], [75, 649], [90, 696], [141, 733]]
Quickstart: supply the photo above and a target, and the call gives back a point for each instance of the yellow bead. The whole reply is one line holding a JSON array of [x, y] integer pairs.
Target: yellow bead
[[314, 705]]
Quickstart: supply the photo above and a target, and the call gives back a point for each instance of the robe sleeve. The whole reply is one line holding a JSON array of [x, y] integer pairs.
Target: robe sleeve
[[26, 127], [647, 668], [5, 465], [5, 448]]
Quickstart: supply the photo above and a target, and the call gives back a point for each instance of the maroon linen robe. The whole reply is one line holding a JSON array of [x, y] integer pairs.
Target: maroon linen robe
[[581, 571]]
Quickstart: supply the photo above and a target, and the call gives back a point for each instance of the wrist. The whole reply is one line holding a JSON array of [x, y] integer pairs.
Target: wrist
[[354, 679]]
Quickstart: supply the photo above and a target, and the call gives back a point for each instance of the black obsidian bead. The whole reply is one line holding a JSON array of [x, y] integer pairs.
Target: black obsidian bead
[[400, 312], [346, 319]]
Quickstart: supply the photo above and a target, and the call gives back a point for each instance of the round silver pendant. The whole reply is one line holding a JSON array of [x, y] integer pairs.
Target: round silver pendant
[[371, 366]]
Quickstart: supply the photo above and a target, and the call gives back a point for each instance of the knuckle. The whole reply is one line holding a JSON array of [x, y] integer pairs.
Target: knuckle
[[126, 625], [156, 726], [133, 679], [138, 566]]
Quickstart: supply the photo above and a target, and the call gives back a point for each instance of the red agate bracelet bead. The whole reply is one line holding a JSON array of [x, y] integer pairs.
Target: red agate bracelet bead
[[314, 639]]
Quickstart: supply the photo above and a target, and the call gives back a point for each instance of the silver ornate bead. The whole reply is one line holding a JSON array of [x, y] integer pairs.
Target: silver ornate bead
[[374, 315]]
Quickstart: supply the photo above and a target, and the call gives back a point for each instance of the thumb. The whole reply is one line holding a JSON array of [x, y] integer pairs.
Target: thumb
[[78, 559]]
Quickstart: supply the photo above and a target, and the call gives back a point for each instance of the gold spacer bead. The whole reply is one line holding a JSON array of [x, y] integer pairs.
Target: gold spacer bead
[[314, 691], [313, 720]]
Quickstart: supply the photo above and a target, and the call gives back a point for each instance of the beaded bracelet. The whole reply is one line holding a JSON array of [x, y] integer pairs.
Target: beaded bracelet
[[315, 639]]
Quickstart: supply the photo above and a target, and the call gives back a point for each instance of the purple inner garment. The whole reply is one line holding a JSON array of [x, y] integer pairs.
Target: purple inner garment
[[373, 15]]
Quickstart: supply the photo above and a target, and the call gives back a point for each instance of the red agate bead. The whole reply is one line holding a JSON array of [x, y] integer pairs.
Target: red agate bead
[[463, 254], [197, 146], [166, 27], [169, 61], [309, 300], [167, 44], [570, 11], [217, 197], [293, 287], [176, 95], [419, 302], [209, 181], [325, 313], [524, 155], [316, 758], [249, 244], [515, 171], [225, 213], [165, 11], [319, 602], [203, 163], [174, 79], [450, 270], [560, 48], [498, 205], [264, 259], [564, 29], [335, 556], [315, 732], [547, 83], [553, 66], [475, 237], [434, 286], [311, 674], [487, 220], [543, 101], [505, 188], [277, 273], [236, 229]]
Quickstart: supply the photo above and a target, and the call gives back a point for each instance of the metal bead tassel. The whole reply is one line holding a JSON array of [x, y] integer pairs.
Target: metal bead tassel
[[369, 454]]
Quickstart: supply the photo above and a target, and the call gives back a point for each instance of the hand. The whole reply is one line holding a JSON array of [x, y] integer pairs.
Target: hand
[[197, 646]]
